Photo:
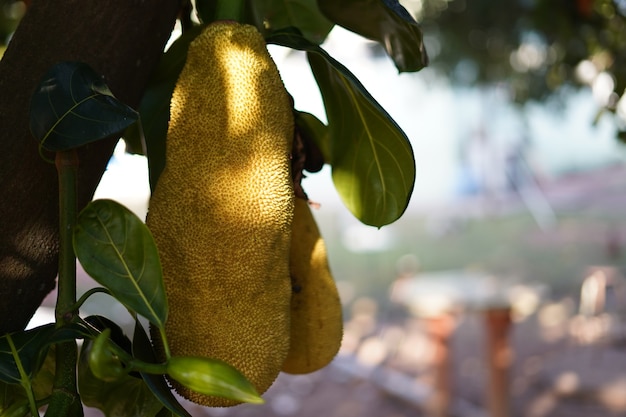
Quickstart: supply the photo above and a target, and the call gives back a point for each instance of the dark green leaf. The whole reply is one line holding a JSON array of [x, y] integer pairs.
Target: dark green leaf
[[116, 248], [126, 397], [44, 378], [384, 21], [302, 14], [73, 106], [206, 10], [142, 349], [155, 105], [165, 412], [12, 396], [315, 130], [17, 409], [31, 345], [99, 323], [209, 11], [371, 157], [69, 333]]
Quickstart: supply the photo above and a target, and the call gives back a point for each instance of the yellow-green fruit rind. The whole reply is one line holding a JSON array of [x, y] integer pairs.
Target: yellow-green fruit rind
[[221, 212], [316, 317]]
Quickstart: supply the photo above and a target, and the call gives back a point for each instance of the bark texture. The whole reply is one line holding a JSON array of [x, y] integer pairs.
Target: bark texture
[[121, 39]]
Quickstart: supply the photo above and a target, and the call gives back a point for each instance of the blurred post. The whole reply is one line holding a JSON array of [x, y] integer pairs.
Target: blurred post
[[498, 321], [440, 327]]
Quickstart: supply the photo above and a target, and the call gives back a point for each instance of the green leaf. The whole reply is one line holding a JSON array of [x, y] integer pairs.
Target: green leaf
[[72, 106], [155, 105], [212, 377], [206, 10], [68, 333], [125, 397], [302, 14], [43, 381], [98, 324], [384, 21], [314, 129], [116, 248], [17, 409], [31, 346], [142, 349], [372, 160], [165, 412], [12, 396]]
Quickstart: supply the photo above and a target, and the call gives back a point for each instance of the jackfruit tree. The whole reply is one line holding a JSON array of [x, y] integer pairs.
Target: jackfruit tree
[[229, 268]]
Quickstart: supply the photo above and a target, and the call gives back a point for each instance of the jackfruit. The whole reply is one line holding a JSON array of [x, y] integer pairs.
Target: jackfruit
[[222, 209], [316, 316]]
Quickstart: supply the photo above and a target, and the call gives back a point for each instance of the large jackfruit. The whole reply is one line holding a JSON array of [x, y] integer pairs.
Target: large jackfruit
[[221, 212], [316, 317]]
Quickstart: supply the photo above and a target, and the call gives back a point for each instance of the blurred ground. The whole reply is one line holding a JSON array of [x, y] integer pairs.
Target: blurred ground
[[568, 359], [556, 371]]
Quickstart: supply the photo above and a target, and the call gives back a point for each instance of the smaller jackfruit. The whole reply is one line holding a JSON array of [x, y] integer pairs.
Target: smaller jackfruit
[[316, 316]]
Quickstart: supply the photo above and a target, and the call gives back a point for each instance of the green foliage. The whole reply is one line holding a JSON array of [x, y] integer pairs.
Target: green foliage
[[312, 128], [11, 11], [305, 15], [142, 350], [155, 106], [73, 106], [371, 157], [116, 248], [124, 395], [386, 22], [533, 48], [22, 354]]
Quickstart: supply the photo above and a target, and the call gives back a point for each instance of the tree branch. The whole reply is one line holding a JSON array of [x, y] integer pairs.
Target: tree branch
[[121, 39]]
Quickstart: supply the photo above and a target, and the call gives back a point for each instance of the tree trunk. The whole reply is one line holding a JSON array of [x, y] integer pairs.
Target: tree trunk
[[121, 39]]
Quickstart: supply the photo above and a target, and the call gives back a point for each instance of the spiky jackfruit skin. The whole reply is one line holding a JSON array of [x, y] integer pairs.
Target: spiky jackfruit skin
[[316, 316], [221, 212]]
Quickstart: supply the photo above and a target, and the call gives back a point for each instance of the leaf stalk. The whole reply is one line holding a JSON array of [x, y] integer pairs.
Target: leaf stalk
[[65, 400], [24, 378]]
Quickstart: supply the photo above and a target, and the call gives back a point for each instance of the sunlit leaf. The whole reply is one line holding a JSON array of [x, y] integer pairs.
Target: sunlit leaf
[[302, 14], [116, 248], [372, 160], [142, 349], [212, 377], [73, 106], [384, 21]]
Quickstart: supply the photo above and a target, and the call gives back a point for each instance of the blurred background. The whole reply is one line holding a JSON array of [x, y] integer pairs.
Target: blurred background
[[500, 292]]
